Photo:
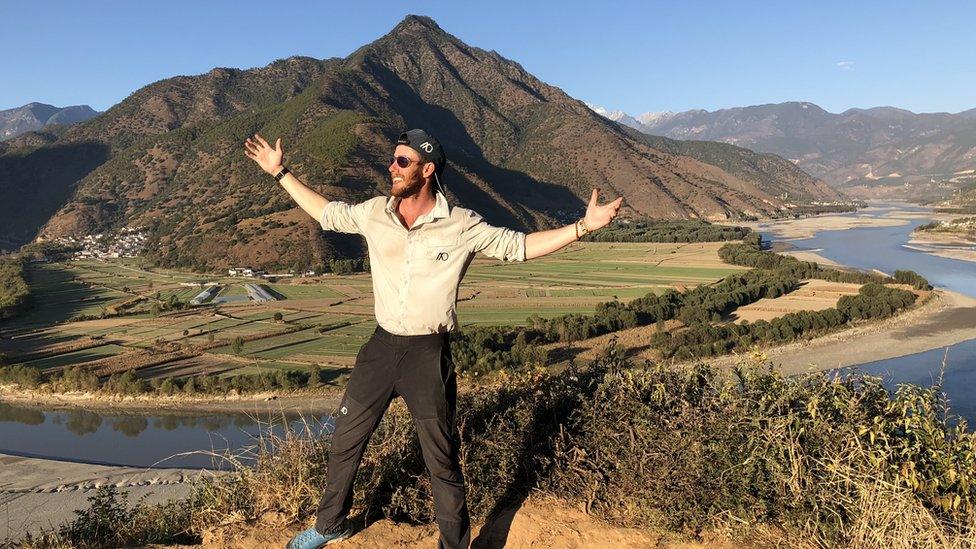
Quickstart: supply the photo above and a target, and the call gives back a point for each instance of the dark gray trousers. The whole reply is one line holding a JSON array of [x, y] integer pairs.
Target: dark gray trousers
[[419, 369]]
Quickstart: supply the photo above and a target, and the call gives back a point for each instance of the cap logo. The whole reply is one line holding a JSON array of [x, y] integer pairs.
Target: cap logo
[[426, 146]]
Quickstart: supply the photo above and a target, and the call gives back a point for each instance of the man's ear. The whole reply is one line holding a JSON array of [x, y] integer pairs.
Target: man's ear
[[429, 168]]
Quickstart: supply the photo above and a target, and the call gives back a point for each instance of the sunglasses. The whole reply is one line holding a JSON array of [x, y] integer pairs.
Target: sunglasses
[[403, 161]]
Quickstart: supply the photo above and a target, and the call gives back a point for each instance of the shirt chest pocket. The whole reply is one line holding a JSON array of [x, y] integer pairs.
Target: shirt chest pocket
[[441, 249]]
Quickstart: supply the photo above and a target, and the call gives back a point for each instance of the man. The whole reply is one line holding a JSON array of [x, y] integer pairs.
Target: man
[[419, 249]]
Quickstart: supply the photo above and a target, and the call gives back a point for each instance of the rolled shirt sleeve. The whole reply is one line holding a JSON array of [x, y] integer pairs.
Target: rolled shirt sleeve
[[496, 242], [341, 217]]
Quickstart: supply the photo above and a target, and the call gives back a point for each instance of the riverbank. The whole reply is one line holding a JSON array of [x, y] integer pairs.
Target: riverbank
[[807, 227], [943, 245], [946, 319], [41, 494], [322, 401]]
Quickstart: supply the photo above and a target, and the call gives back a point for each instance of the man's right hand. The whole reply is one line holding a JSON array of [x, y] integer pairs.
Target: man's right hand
[[268, 157]]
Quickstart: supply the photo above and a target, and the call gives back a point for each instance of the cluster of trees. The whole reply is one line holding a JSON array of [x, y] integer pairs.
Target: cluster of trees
[[14, 290], [481, 349], [668, 231], [48, 250], [488, 348], [78, 378], [346, 266], [750, 254], [875, 301], [704, 339], [912, 279], [172, 303]]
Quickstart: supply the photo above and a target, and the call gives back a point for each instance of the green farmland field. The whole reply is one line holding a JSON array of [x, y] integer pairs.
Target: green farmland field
[[573, 280]]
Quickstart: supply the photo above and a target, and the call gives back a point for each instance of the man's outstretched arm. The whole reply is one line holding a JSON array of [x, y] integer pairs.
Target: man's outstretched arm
[[544, 242], [269, 159]]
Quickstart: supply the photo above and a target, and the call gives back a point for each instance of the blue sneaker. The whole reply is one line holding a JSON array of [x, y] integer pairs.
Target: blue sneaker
[[312, 539]]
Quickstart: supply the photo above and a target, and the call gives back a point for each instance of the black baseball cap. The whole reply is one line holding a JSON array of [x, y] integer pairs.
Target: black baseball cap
[[429, 149]]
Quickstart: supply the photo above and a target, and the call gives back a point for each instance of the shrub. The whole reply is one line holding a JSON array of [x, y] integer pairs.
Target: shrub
[[125, 383], [828, 460], [314, 376], [24, 376], [238, 345], [680, 448], [75, 378], [110, 521]]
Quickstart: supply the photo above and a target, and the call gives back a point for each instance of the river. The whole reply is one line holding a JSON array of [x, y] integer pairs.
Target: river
[[884, 249], [185, 440]]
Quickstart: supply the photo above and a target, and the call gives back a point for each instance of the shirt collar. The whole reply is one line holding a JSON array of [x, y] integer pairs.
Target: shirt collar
[[440, 210]]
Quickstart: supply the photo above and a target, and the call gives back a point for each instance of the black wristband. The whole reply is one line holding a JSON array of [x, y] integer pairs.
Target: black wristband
[[284, 171]]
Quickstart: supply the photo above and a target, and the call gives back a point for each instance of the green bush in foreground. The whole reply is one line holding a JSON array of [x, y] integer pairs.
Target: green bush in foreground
[[110, 521]]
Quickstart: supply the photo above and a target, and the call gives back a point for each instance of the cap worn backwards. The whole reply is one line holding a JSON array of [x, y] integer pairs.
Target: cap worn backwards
[[428, 148]]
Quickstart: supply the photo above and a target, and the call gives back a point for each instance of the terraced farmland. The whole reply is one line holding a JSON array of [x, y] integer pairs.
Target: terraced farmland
[[325, 320]]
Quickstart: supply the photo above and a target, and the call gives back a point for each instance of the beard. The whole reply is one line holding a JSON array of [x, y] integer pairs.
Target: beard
[[407, 188]]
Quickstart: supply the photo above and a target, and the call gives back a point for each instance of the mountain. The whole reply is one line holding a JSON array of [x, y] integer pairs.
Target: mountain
[[34, 116], [170, 157], [964, 200], [855, 147], [771, 172]]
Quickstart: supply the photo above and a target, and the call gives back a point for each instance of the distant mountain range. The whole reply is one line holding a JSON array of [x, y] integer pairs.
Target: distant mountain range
[[521, 152], [855, 147], [34, 116]]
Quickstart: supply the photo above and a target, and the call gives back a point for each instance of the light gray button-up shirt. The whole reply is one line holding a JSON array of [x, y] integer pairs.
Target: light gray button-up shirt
[[416, 272]]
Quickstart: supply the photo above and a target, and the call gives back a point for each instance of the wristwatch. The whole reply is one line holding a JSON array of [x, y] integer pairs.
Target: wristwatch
[[284, 171], [581, 229]]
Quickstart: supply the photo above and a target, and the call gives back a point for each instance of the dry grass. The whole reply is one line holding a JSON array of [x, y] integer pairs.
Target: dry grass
[[812, 295]]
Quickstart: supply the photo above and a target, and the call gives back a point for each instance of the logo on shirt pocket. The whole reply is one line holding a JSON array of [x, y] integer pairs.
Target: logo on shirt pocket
[[440, 249]]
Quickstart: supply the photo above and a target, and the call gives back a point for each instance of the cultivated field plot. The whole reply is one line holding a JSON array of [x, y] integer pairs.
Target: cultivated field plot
[[813, 295], [324, 320], [77, 357], [576, 279], [305, 291]]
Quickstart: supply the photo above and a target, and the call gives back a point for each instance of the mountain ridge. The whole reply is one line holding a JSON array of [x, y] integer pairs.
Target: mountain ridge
[[857, 146], [521, 152], [36, 116]]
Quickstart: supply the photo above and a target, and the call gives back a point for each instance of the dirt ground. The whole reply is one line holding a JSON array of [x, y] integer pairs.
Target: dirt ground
[[536, 523], [813, 256], [945, 319], [809, 226], [943, 245]]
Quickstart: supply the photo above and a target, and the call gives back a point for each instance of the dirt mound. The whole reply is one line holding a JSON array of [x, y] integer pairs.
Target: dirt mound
[[537, 523]]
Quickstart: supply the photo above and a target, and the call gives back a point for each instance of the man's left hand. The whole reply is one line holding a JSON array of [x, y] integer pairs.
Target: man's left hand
[[599, 216]]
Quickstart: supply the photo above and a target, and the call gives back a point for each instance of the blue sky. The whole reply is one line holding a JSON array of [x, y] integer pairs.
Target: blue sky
[[632, 56]]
